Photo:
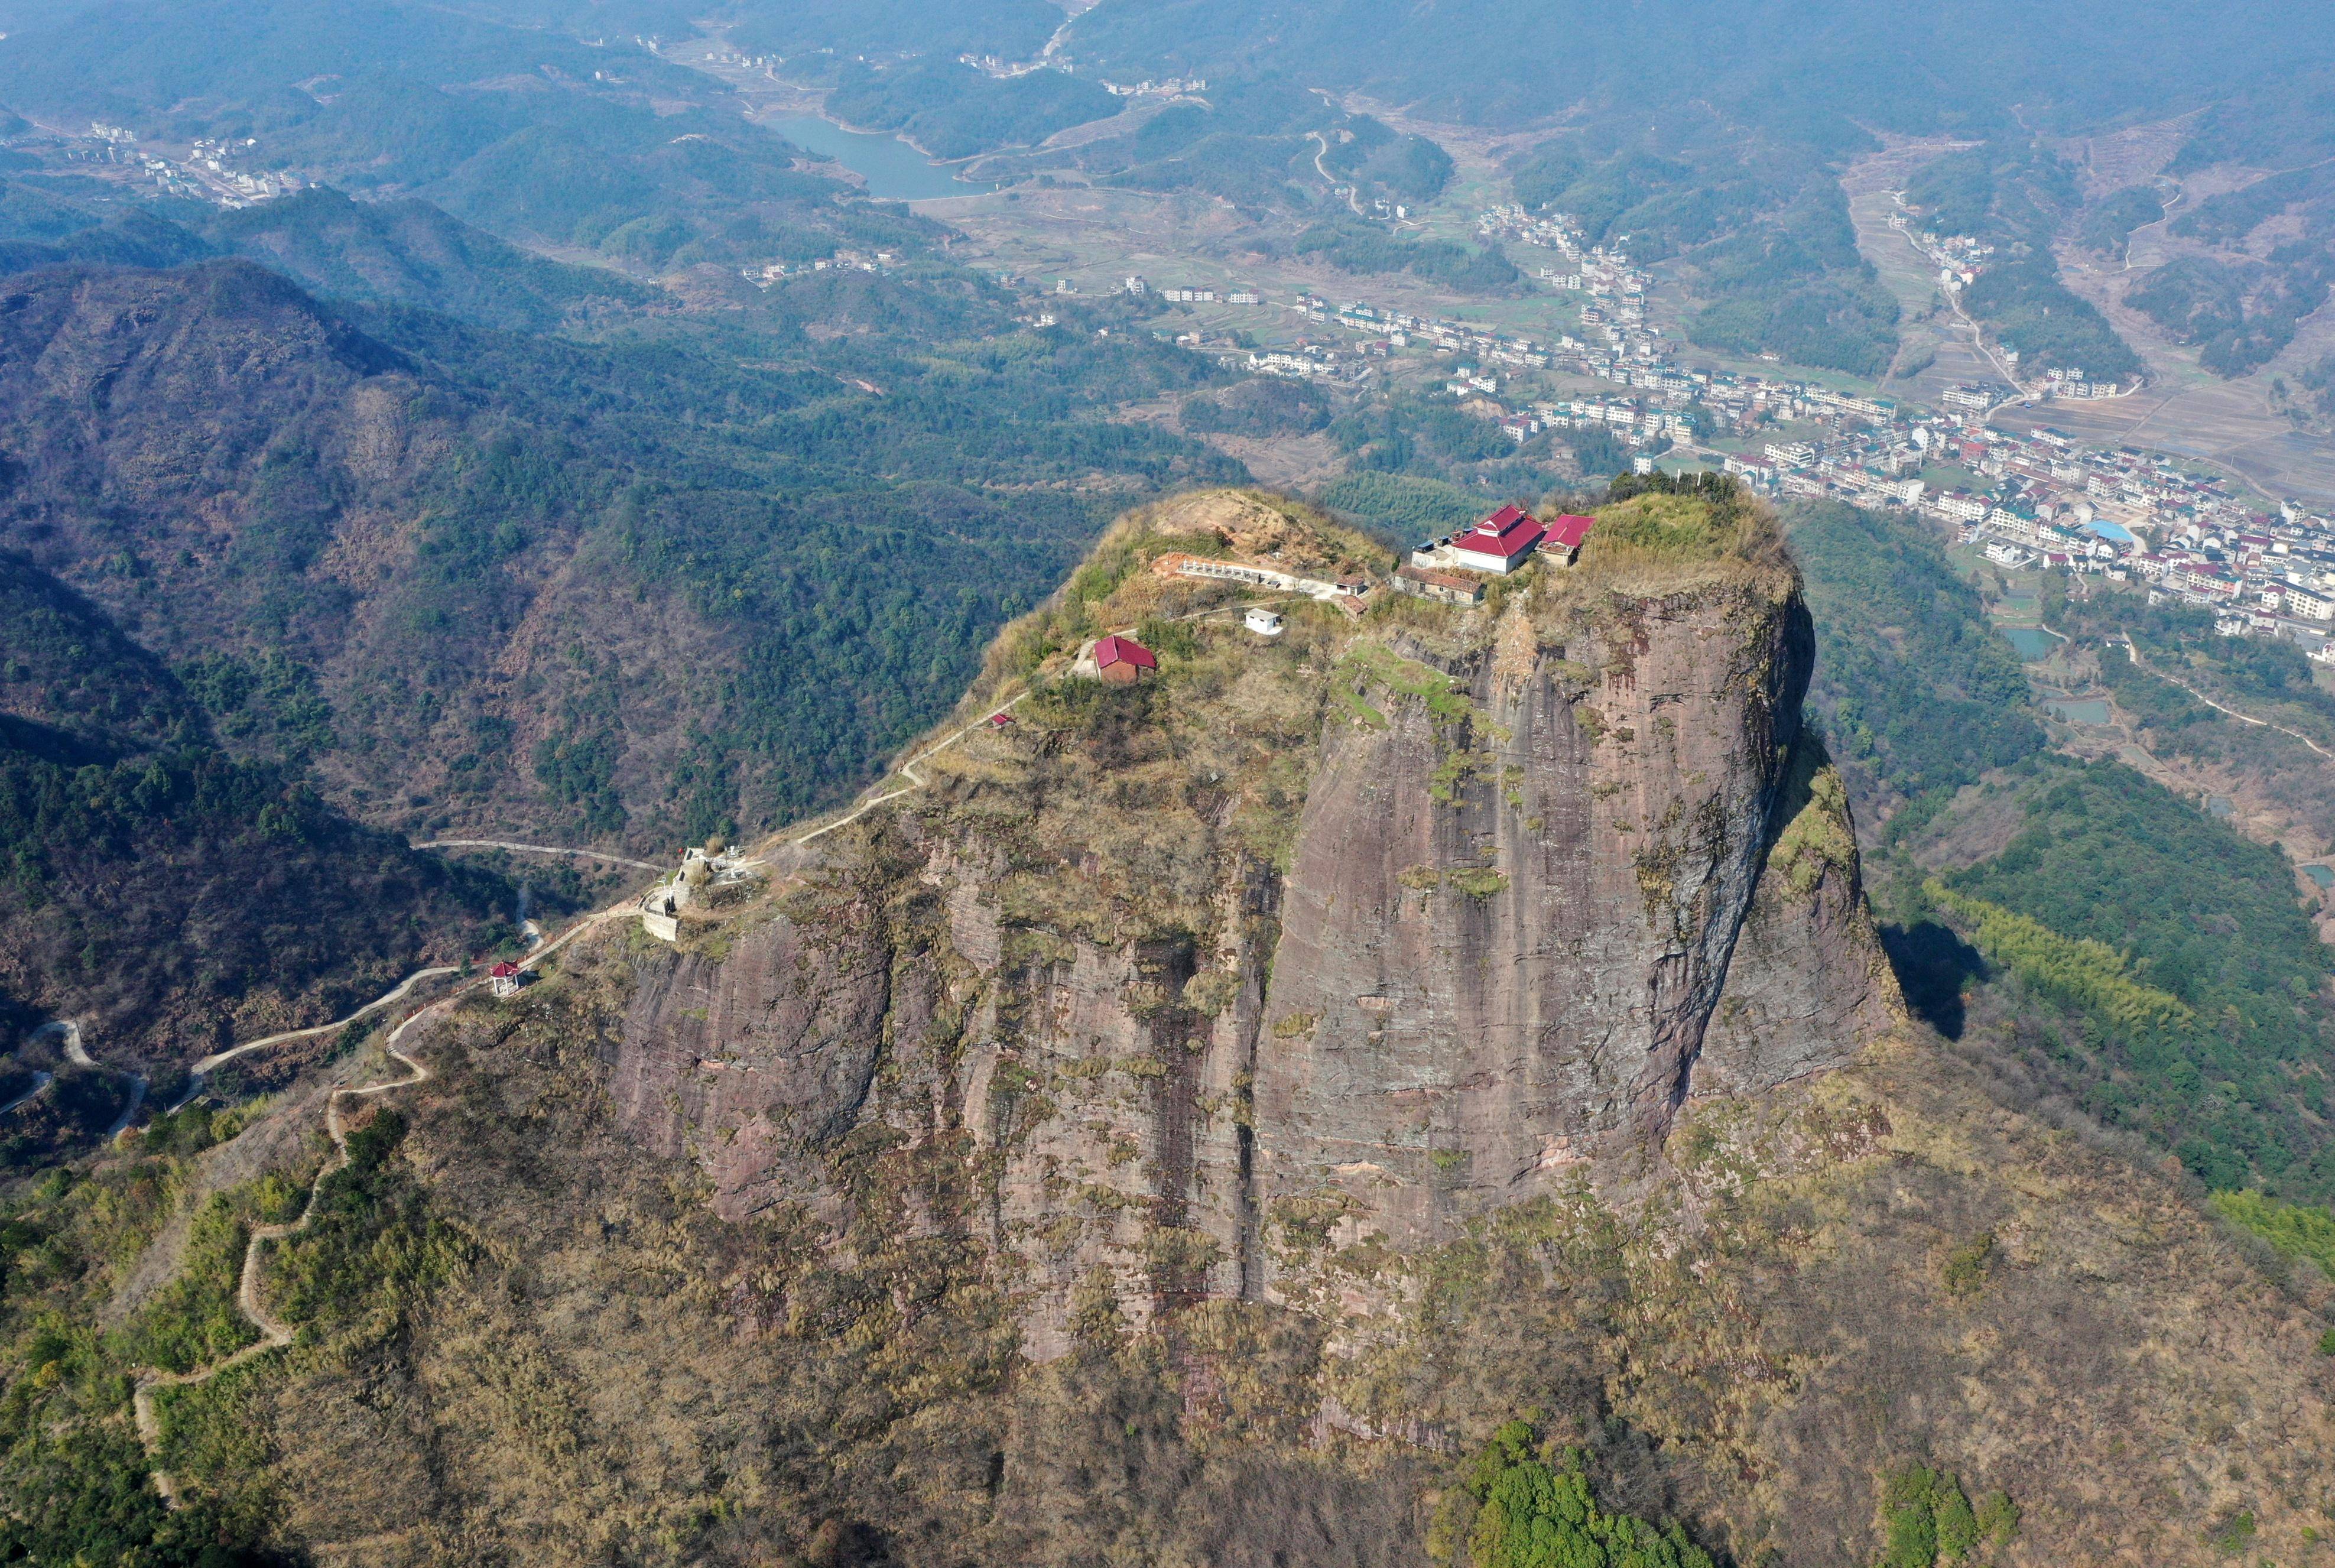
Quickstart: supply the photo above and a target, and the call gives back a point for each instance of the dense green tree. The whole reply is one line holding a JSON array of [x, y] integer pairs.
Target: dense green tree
[[1535, 1509]]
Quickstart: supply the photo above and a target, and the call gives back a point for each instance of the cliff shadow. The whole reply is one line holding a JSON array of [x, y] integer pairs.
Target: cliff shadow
[[1934, 967]]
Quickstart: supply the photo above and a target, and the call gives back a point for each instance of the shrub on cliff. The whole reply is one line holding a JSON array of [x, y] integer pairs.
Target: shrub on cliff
[[1535, 1509], [1926, 1519]]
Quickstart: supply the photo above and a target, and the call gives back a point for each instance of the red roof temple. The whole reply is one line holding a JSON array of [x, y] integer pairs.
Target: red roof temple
[[1500, 542]]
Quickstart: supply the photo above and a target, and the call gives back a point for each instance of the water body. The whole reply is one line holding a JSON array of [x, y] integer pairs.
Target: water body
[[2323, 874], [2033, 642], [2223, 807], [894, 170], [2089, 710], [2110, 532]]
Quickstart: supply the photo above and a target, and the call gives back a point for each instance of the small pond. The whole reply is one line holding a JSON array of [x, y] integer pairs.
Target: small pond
[[2033, 642], [2221, 805], [2323, 874]]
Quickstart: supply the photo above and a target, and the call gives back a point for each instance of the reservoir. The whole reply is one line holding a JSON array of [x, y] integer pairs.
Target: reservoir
[[894, 170]]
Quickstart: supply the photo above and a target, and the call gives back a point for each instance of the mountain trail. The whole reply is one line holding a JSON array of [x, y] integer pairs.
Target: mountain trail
[[273, 1333], [915, 780]]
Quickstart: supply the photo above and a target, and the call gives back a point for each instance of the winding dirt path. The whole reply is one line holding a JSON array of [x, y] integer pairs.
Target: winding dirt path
[[273, 1333], [196, 1074], [402, 989]]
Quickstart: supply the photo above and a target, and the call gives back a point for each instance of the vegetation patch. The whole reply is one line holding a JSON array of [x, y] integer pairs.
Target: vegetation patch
[[2182, 906], [194, 1321], [1817, 838], [1966, 1267], [1478, 881], [1407, 507], [2296, 1230], [1927, 1519], [1445, 700], [374, 1250], [1665, 528], [2085, 973]]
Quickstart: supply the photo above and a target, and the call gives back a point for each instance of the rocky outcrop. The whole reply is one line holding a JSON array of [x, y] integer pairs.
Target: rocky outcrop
[[1545, 875], [1809, 980]]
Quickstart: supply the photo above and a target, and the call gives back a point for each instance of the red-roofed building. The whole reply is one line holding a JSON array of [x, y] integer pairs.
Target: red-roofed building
[[1123, 660], [1566, 535], [1500, 543], [504, 978]]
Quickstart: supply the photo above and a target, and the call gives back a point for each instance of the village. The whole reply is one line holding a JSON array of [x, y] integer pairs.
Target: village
[[207, 172], [2028, 499]]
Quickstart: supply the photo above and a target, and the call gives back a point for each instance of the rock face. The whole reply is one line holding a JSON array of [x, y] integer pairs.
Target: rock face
[[1470, 996], [1550, 874], [772, 1049]]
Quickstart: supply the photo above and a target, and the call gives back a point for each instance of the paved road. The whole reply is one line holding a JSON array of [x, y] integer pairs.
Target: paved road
[[40, 1081], [79, 1056], [1321, 150], [71, 1029], [535, 849], [129, 1109], [1978, 333], [2133, 650]]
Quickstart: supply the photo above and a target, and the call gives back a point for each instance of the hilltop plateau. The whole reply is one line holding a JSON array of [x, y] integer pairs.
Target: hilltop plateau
[[1333, 1102]]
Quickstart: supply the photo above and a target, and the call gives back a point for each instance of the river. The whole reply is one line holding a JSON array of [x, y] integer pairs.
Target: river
[[894, 170]]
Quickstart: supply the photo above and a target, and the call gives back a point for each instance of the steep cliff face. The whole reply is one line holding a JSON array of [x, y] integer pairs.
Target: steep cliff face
[[1358, 934], [1478, 986]]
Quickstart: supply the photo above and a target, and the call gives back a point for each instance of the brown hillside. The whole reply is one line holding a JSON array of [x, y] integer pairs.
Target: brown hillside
[[1188, 1125]]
